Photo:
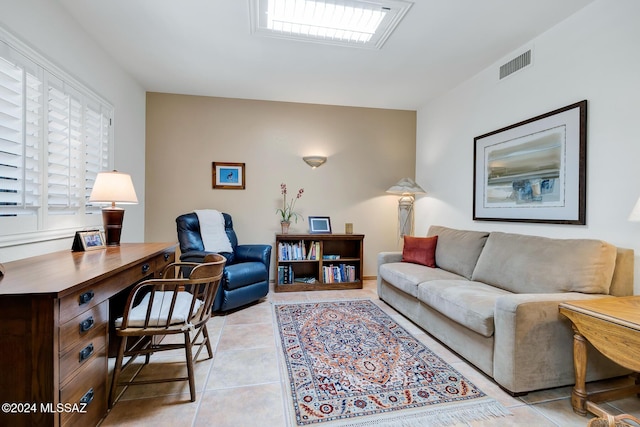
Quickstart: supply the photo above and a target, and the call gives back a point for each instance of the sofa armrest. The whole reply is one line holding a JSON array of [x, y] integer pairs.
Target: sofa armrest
[[386, 257], [259, 253], [533, 341]]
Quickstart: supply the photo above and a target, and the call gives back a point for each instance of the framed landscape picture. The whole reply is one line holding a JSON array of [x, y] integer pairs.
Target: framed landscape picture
[[229, 176], [533, 171]]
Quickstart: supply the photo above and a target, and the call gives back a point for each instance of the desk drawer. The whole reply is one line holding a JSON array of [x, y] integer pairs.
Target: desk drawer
[[83, 353], [83, 325], [82, 300], [90, 384], [165, 259]]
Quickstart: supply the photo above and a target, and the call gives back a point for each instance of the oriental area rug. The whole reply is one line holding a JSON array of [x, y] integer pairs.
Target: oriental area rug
[[348, 363]]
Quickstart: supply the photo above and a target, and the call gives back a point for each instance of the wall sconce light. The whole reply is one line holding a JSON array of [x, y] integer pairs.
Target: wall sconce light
[[113, 187], [407, 188], [314, 161]]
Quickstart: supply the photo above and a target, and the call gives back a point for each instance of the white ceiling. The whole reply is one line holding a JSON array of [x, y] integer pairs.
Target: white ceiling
[[205, 47]]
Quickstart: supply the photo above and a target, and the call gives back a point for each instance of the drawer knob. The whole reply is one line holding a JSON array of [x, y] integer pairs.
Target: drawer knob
[[86, 352], [88, 397], [87, 324], [86, 297], [167, 256], [145, 268]]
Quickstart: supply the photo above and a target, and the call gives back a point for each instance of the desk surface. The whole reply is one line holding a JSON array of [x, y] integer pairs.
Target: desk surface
[[60, 273], [623, 311]]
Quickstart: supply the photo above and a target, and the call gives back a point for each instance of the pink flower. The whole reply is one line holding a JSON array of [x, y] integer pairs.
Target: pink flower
[[287, 212]]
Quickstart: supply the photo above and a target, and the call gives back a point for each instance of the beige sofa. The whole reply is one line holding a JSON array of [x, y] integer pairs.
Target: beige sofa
[[493, 299]]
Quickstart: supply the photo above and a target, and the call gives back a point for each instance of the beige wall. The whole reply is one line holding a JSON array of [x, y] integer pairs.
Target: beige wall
[[368, 150]]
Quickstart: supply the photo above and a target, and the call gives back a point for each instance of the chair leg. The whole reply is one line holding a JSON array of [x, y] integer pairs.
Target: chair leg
[[116, 371], [205, 334], [190, 369]]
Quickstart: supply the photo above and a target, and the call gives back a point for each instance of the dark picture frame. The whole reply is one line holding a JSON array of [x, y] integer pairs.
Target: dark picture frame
[[534, 170], [319, 225], [228, 176]]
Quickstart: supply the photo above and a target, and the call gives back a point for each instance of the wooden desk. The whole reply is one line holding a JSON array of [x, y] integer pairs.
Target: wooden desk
[[612, 326], [54, 323]]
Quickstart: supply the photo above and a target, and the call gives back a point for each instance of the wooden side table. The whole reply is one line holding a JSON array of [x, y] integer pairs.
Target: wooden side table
[[612, 326]]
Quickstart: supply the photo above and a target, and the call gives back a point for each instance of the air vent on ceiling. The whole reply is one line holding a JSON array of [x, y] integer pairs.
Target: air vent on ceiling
[[517, 63]]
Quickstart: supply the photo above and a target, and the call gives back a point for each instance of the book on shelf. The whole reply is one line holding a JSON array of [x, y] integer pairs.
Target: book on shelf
[[314, 250], [305, 280], [285, 275], [292, 251], [330, 257], [338, 273]]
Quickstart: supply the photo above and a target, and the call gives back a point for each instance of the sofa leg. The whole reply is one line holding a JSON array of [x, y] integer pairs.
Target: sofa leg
[[518, 394]]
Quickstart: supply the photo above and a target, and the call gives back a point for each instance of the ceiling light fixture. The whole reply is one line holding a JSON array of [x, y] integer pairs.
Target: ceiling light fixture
[[347, 22]]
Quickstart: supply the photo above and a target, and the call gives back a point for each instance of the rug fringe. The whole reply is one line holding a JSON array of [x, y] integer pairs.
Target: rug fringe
[[453, 414]]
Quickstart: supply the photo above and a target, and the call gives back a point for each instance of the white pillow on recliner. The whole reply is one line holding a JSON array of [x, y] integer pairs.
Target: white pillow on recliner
[[160, 310]]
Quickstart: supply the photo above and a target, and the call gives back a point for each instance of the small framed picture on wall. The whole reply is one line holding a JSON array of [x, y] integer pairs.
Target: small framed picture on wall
[[228, 176]]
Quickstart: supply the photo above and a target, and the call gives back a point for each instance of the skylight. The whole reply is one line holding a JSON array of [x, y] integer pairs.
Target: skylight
[[361, 23]]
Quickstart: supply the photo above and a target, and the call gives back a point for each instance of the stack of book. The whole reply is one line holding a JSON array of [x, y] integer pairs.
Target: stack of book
[[285, 274], [292, 251], [338, 273], [314, 251]]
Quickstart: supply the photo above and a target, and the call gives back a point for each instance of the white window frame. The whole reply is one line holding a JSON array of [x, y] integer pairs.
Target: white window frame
[[94, 126]]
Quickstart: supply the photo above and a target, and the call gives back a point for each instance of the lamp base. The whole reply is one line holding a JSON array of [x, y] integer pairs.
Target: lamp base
[[112, 221]]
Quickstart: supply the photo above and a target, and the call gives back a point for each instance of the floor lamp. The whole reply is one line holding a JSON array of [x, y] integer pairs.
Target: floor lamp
[[635, 212], [407, 188]]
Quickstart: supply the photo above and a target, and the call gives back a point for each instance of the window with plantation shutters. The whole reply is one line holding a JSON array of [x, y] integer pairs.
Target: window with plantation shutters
[[20, 136], [55, 136]]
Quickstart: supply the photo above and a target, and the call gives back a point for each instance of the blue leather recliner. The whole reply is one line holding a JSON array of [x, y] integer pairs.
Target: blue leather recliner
[[246, 273]]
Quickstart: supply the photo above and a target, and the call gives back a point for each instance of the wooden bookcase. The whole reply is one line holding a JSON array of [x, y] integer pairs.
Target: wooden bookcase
[[337, 263]]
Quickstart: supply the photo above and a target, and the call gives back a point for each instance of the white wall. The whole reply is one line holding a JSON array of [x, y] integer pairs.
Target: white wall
[[47, 28], [592, 55]]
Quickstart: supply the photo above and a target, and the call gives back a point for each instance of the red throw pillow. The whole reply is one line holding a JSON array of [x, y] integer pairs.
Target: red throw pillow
[[420, 250]]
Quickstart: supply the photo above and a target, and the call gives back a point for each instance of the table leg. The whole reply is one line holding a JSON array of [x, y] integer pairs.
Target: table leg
[[579, 394]]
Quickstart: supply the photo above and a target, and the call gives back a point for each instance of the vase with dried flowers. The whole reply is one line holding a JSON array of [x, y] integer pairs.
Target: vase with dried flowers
[[286, 212]]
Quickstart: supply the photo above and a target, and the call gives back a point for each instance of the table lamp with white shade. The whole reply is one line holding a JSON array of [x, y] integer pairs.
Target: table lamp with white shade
[[113, 187]]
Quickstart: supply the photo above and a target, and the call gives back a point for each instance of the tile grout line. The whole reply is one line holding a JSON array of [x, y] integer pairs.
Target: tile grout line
[[214, 350]]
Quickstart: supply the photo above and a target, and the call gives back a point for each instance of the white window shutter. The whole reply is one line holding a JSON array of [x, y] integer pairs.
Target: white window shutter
[[55, 136], [20, 128]]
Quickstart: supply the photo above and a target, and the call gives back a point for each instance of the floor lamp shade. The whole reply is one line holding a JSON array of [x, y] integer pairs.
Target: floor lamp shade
[[407, 189], [113, 187], [635, 213]]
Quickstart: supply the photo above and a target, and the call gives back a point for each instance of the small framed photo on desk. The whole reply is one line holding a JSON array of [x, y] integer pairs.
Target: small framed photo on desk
[[88, 241]]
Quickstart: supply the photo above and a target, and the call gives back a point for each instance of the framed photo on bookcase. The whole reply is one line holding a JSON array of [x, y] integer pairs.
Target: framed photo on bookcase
[[319, 225]]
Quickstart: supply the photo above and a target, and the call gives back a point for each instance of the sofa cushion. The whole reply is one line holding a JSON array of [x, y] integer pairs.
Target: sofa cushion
[[458, 250], [420, 250], [471, 304], [532, 264], [407, 276]]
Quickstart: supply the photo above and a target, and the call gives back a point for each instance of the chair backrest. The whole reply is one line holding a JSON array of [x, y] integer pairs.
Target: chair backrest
[[175, 302], [211, 271], [189, 236]]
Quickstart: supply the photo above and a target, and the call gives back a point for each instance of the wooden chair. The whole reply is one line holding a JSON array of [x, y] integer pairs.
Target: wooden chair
[[172, 305]]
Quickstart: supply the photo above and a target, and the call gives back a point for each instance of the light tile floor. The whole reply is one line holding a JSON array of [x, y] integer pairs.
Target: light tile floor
[[242, 384]]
